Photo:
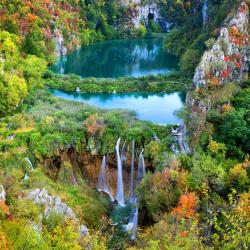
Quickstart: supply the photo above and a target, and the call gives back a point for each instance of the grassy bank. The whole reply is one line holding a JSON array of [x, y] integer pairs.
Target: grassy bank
[[161, 83]]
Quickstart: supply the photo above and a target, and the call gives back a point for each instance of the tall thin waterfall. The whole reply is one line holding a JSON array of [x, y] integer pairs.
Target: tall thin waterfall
[[204, 12], [132, 196], [102, 176], [123, 152], [141, 168], [120, 190], [30, 163], [103, 185]]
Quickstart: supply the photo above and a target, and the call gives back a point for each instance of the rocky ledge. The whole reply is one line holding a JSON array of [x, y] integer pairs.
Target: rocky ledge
[[53, 204], [229, 58]]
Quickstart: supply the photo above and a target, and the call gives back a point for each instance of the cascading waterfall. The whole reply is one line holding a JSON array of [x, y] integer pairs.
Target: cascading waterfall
[[120, 190], [103, 185], [132, 196], [133, 218], [204, 12], [102, 175], [133, 201], [141, 168], [123, 152], [30, 163], [25, 178]]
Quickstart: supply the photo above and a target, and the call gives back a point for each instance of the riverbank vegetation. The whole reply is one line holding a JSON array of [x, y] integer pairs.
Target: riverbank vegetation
[[162, 83]]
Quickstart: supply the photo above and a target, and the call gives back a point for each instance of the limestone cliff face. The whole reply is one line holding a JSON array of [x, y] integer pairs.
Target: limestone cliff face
[[139, 12], [229, 58], [227, 61]]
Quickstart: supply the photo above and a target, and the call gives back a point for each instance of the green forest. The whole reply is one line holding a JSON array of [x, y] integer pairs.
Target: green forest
[[60, 158]]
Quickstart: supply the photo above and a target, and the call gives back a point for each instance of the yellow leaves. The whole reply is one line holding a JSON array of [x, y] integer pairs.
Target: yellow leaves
[[64, 238], [216, 148]]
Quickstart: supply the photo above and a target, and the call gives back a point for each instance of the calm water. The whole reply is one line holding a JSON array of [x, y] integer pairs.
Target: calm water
[[118, 58], [158, 108]]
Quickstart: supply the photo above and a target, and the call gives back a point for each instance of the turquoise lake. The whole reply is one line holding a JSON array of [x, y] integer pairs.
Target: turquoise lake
[[119, 58], [158, 108]]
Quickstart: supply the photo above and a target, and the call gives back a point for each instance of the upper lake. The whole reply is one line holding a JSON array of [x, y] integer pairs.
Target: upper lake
[[119, 58]]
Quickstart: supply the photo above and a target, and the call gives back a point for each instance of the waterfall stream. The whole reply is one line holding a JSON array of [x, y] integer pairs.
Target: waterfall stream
[[103, 185], [30, 163], [120, 190], [132, 196], [125, 213], [204, 12], [141, 168]]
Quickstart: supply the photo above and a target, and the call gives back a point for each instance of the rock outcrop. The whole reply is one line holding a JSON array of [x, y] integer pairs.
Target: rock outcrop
[[53, 204], [139, 12], [227, 61], [229, 58], [2, 194]]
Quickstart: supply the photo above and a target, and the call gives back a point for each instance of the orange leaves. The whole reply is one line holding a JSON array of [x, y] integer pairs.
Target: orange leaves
[[186, 206], [4, 207], [3, 241], [94, 125], [31, 18], [225, 108], [244, 205]]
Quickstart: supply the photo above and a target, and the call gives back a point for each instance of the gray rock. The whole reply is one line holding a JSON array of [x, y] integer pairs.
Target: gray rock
[[83, 231], [2, 194]]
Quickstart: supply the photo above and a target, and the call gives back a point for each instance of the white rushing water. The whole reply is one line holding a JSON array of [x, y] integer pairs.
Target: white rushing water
[[204, 12], [30, 163], [120, 190], [103, 185], [141, 168], [133, 201], [132, 174]]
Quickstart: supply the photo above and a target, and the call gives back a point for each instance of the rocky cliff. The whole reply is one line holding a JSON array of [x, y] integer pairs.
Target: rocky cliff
[[228, 59], [139, 12], [226, 62]]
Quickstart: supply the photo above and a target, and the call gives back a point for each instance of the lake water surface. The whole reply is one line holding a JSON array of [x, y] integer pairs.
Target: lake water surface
[[157, 108], [118, 58]]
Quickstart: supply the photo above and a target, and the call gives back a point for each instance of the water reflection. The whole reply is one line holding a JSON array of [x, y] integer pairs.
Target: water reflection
[[118, 58]]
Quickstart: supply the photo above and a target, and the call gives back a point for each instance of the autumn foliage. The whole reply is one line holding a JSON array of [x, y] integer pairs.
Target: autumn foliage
[[186, 206]]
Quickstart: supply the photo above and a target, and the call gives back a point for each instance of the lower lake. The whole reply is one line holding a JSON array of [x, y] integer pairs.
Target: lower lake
[[159, 108]]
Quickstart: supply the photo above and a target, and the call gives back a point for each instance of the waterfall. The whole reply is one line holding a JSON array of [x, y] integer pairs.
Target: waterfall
[[132, 196], [102, 175], [133, 221], [141, 168], [123, 152], [25, 178], [120, 190], [30, 163], [204, 12], [103, 185]]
